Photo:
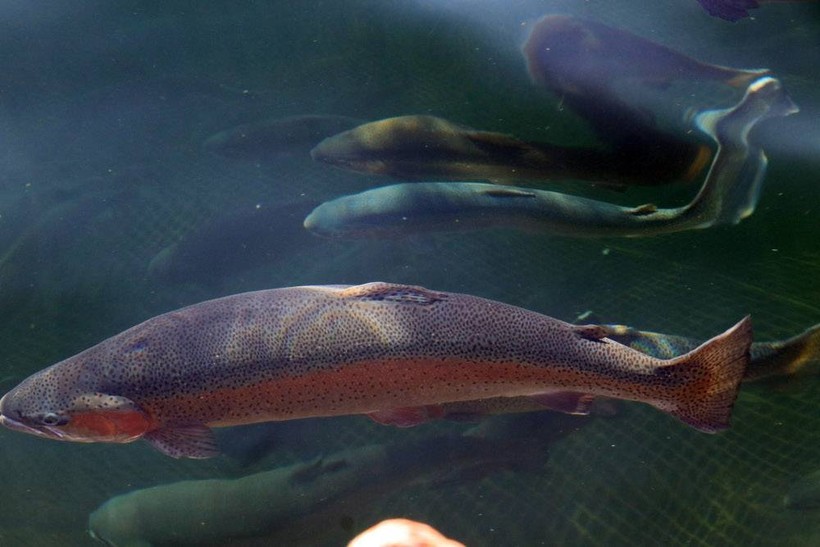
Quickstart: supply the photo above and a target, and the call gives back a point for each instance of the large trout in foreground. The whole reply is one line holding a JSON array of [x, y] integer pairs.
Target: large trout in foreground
[[394, 352]]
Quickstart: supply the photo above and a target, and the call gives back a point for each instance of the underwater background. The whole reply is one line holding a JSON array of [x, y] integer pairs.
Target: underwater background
[[104, 108]]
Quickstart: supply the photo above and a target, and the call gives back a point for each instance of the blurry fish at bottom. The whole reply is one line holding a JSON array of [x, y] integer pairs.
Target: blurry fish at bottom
[[314, 502]]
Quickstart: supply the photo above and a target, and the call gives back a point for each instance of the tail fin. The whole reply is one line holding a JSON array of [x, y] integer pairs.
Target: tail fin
[[804, 350], [709, 377], [786, 359]]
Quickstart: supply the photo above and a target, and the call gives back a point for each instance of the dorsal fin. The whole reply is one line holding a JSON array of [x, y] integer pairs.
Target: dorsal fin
[[592, 332], [508, 193], [391, 292]]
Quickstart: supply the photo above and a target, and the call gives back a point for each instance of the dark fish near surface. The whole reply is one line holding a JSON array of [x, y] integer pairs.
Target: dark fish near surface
[[431, 148], [267, 139], [728, 195], [575, 56], [377, 349], [586, 64], [734, 10]]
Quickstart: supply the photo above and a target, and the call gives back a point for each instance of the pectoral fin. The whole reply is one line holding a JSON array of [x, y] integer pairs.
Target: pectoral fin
[[190, 441], [568, 402]]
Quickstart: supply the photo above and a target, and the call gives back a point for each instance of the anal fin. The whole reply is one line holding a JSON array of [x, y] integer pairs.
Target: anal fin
[[407, 416], [568, 402]]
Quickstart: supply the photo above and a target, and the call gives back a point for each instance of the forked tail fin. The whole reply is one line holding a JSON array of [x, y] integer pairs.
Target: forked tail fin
[[708, 378]]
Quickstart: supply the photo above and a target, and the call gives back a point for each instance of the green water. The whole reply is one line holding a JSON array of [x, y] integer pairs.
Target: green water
[[103, 111]]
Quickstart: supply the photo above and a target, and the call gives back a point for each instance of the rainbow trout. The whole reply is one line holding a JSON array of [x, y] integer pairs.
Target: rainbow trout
[[389, 351]]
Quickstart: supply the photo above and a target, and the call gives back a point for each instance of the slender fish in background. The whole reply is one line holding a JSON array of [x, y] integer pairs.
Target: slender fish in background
[[431, 148], [728, 195], [267, 139], [299, 504], [225, 246], [387, 351]]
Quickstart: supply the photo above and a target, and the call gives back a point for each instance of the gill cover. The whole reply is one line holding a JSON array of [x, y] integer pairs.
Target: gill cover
[[106, 418]]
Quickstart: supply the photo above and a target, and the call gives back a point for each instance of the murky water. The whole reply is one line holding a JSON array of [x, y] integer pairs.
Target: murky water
[[112, 211]]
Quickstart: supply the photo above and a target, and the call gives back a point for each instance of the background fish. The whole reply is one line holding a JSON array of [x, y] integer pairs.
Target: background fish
[[396, 351], [229, 244], [431, 148], [728, 194], [586, 63], [267, 139]]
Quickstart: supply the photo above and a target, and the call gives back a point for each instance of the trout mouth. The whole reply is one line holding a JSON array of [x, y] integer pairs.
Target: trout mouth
[[23, 428]]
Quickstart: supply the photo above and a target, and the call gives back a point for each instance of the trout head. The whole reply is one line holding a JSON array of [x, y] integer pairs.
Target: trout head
[[347, 151], [403, 146], [59, 403]]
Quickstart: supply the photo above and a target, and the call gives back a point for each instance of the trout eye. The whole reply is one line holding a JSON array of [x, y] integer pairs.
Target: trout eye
[[51, 418]]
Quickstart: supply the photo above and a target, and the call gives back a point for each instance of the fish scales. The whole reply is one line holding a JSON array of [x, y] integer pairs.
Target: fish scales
[[333, 350]]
